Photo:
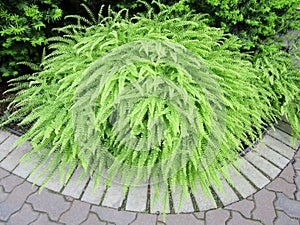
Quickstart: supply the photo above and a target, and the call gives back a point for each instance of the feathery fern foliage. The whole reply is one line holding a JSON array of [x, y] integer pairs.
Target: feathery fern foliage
[[157, 97]]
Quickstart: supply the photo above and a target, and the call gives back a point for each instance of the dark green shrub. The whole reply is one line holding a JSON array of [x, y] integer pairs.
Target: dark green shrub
[[24, 29]]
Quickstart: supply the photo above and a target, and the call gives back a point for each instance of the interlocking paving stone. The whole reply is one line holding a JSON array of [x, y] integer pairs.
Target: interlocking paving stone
[[237, 219], [180, 219], [285, 138], [73, 187], [3, 195], [199, 215], [252, 173], [156, 200], [144, 219], [6, 147], [290, 207], [278, 146], [44, 220], [112, 215], [264, 210], [245, 207], [160, 223], [226, 195], [216, 216], [181, 203], [3, 135], [288, 174], [10, 182], [48, 202], [280, 185], [92, 195], [240, 183], [76, 214], [25, 216], [297, 164], [297, 181], [114, 196], [15, 200], [204, 202], [93, 220], [137, 199], [283, 219], [13, 159], [3, 173], [268, 168], [271, 155]]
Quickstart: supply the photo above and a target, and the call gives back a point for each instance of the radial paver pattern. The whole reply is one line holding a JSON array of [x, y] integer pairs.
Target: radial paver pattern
[[265, 191]]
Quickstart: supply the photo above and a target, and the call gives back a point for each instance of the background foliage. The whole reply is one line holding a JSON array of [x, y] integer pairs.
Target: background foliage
[[24, 28]]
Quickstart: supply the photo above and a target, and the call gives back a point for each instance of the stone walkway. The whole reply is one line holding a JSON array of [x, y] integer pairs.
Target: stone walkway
[[263, 202]]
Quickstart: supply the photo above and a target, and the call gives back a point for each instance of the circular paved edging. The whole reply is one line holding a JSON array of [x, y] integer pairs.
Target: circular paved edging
[[276, 204], [256, 172]]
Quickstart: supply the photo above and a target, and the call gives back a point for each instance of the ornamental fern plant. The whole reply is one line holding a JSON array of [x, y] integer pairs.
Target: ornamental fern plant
[[157, 98]]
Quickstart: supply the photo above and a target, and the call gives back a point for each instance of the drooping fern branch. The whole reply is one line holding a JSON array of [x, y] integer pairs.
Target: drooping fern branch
[[157, 97]]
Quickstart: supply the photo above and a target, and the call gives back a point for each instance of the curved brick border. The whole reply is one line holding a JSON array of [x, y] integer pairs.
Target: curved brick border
[[277, 203]]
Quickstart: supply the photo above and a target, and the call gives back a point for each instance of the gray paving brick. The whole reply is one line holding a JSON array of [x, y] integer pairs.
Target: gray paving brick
[[278, 146], [11, 182], [25, 216], [93, 220], [182, 219], [284, 126], [145, 219], [284, 137], [93, 196], [3, 173], [264, 210], [25, 168], [6, 146], [271, 155], [13, 159], [75, 188], [261, 163], [39, 177], [113, 215], [181, 203], [290, 207], [54, 183], [157, 200], [288, 173], [76, 214], [204, 202], [280, 185], [283, 219], [114, 196], [3, 135], [15, 200], [217, 216], [51, 203], [3, 195], [245, 207], [44, 220], [137, 199], [237, 219], [227, 195], [252, 174], [240, 183]]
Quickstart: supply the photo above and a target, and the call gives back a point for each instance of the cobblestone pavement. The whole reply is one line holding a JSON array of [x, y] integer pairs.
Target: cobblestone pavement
[[278, 203]]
